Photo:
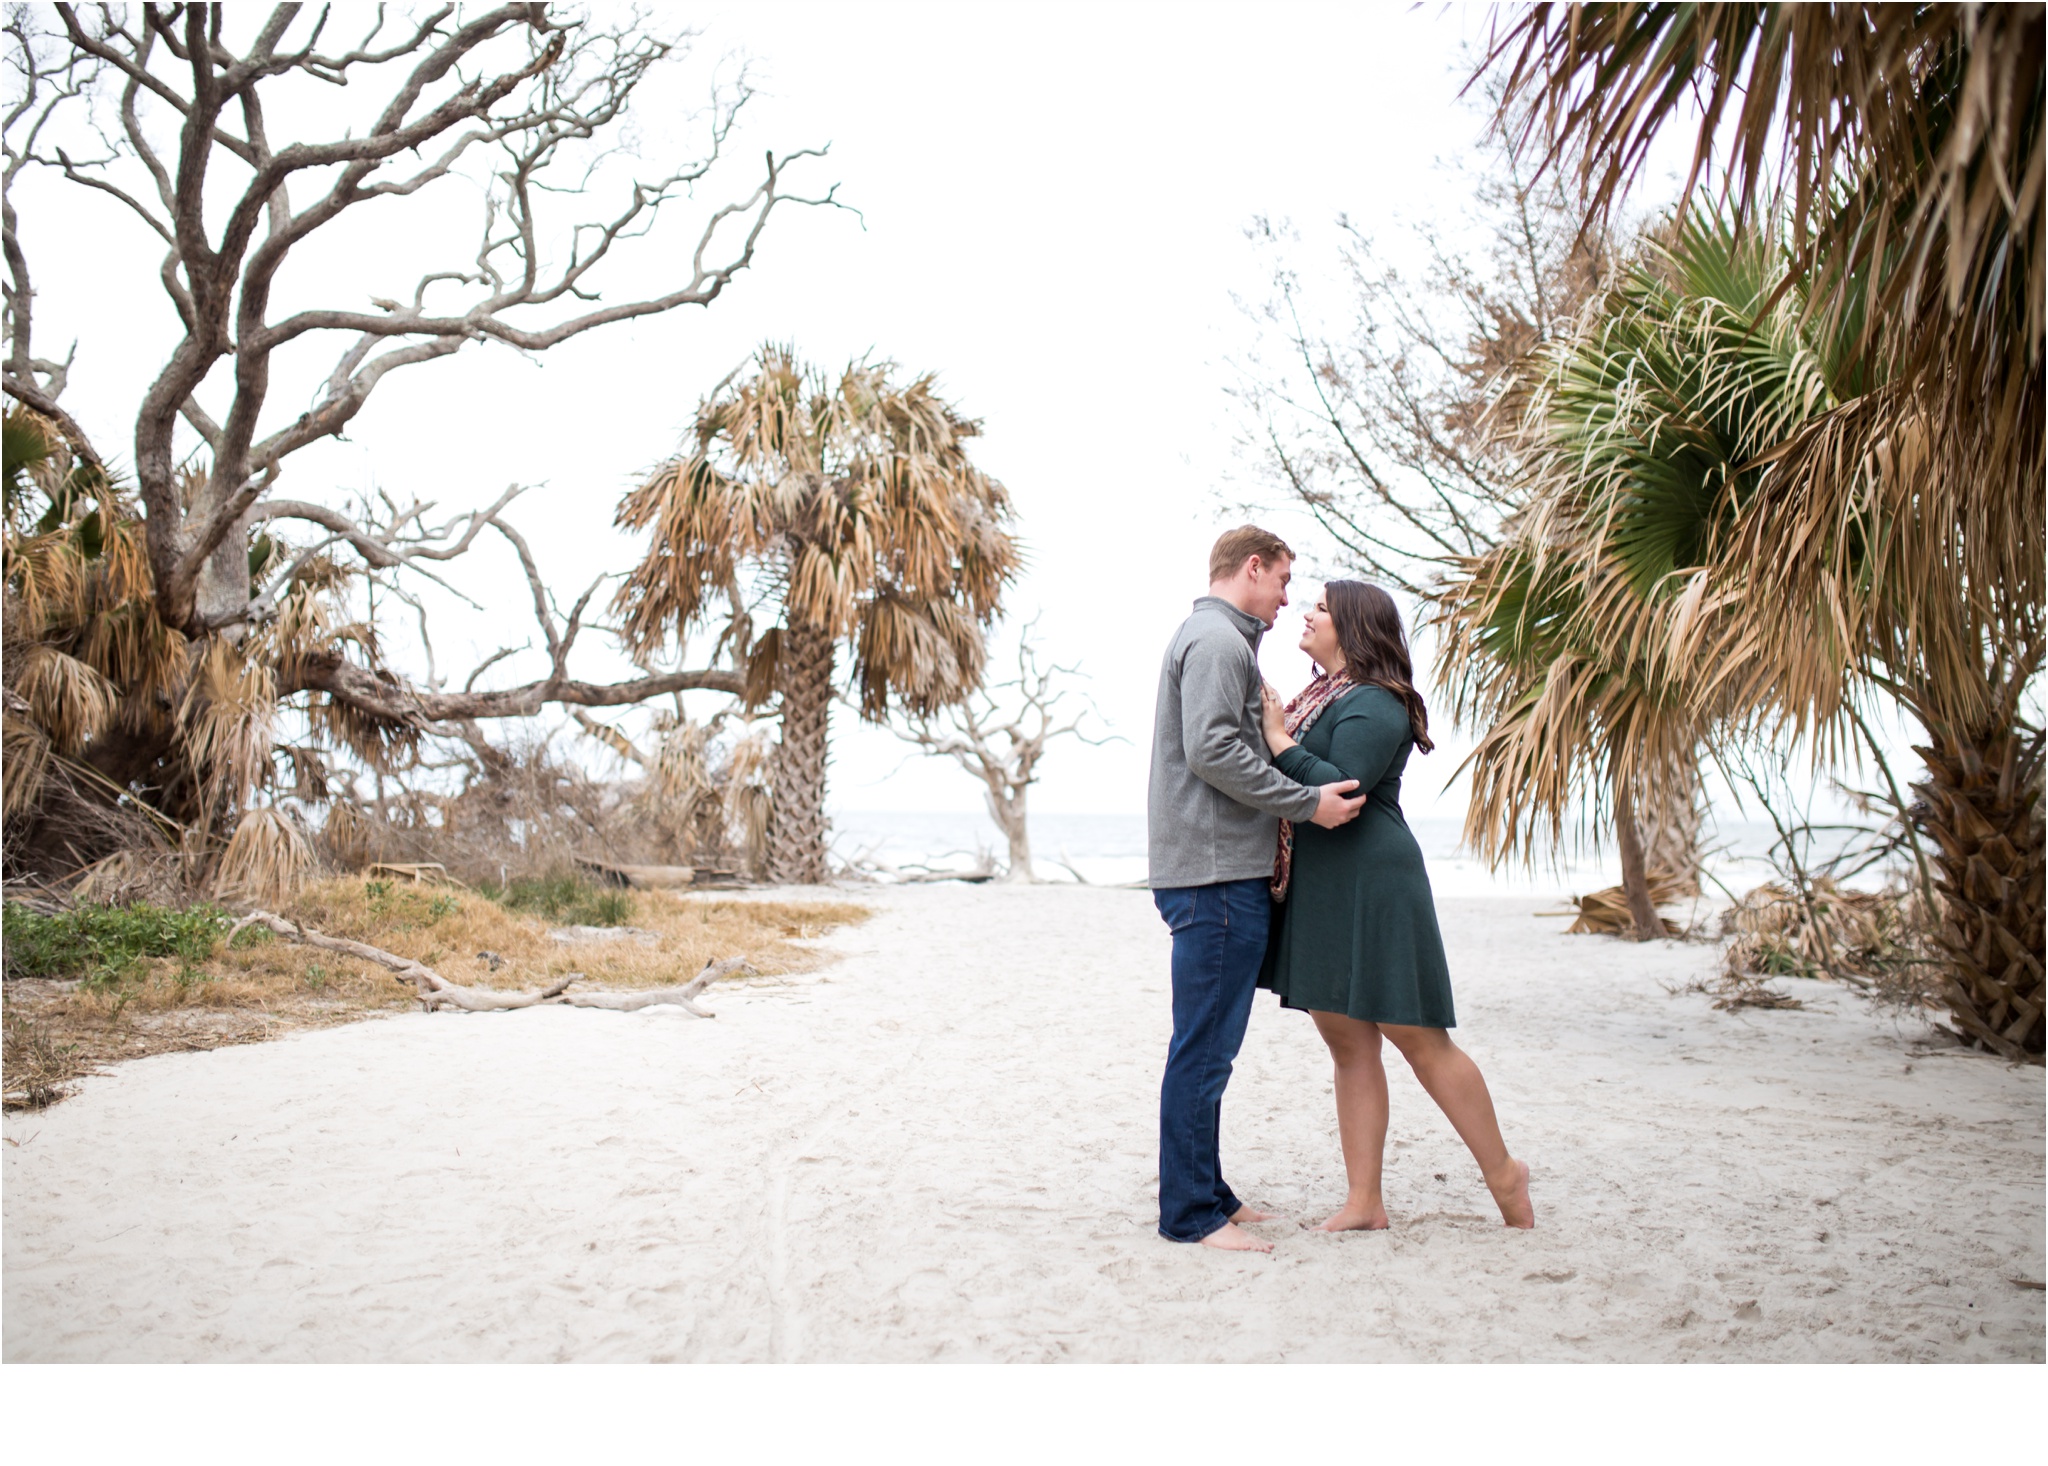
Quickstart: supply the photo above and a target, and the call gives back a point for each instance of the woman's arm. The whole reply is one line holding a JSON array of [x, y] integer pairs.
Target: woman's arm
[[1369, 733]]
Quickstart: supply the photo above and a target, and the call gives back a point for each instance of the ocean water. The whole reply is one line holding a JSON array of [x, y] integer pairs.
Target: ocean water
[[1109, 849]]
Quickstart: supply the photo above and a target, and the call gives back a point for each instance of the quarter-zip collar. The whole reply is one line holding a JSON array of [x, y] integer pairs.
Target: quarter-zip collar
[[1252, 627]]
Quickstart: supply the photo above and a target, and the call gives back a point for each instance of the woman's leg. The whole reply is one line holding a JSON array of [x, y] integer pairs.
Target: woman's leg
[[1459, 1090], [1361, 1119]]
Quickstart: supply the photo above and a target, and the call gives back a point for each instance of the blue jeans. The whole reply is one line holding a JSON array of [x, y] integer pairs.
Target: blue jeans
[[1219, 940]]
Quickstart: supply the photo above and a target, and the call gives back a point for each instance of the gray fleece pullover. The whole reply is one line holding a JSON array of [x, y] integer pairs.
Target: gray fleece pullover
[[1216, 801]]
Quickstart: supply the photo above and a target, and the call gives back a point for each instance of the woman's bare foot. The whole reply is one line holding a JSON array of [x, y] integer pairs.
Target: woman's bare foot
[[1231, 1238], [1249, 1215], [1511, 1195], [1357, 1217]]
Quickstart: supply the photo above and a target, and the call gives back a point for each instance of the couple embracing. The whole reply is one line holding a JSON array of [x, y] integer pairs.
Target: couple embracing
[[1279, 859]]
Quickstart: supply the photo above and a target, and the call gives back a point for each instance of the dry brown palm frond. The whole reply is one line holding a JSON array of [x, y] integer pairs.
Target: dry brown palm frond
[[1879, 941], [69, 700], [382, 743], [227, 722], [1878, 556], [746, 802], [268, 858], [681, 775], [345, 836], [24, 765], [833, 486], [1932, 113], [45, 577], [1909, 518], [1606, 912]]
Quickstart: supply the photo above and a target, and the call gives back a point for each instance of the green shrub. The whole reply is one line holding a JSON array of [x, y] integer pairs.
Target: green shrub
[[106, 945], [404, 906], [566, 898]]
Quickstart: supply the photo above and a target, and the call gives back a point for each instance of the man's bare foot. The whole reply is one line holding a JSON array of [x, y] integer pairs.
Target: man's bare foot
[[1511, 1195], [1249, 1215], [1232, 1238], [1357, 1219]]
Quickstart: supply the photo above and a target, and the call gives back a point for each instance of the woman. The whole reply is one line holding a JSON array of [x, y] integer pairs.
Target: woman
[[1354, 936]]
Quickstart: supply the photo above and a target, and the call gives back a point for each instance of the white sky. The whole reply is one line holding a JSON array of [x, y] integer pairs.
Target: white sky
[[1055, 200]]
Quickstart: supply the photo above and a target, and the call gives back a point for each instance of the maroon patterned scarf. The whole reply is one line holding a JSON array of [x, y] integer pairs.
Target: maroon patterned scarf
[[1307, 706]]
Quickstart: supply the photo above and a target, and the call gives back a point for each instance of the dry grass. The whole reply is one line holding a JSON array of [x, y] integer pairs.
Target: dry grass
[[56, 1031]]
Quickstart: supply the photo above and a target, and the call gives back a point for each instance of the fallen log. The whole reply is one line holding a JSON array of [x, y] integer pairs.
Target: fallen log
[[434, 990], [640, 877], [653, 997]]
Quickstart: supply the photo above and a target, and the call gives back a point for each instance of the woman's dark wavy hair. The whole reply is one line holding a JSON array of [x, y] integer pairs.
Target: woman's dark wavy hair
[[1368, 628]]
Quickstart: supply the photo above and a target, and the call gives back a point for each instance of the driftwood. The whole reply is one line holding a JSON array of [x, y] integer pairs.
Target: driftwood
[[681, 997], [436, 992]]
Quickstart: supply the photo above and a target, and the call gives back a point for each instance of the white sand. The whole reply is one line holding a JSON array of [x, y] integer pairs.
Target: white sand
[[944, 1150]]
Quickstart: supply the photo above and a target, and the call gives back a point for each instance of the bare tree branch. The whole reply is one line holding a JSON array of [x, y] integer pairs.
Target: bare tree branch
[[1396, 431], [546, 94], [383, 695]]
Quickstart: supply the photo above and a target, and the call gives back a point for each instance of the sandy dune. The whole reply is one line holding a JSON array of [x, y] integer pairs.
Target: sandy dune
[[942, 1148]]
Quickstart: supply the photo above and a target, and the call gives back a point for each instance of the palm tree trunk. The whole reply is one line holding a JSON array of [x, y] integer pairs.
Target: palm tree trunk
[[1671, 826], [1635, 874], [796, 829], [1981, 804]]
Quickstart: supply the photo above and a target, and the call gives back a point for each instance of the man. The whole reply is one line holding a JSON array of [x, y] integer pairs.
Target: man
[[1214, 811]]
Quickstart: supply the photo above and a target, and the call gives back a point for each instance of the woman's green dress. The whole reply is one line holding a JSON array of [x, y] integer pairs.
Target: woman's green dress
[[1357, 933]]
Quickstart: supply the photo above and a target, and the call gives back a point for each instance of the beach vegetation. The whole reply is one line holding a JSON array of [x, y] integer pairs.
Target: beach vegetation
[[104, 946], [564, 896], [195, 671], [1399, 434], [93, 985], [852, 502], [1890, 541], [696, 792], [1638, 453]]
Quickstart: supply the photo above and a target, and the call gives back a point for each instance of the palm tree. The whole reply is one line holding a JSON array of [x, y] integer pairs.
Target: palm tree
[[1896, 535], [119, 732], [857, 502], [1638, 456]]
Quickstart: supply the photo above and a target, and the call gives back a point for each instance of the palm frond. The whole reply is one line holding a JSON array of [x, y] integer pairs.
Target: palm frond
[[855, 503]]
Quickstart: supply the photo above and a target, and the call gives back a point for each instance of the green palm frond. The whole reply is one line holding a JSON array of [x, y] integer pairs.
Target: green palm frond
[[1608, 635]]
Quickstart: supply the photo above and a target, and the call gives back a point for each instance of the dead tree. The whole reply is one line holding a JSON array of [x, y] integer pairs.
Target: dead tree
[[537, 99], [999, 734], [525, 106]]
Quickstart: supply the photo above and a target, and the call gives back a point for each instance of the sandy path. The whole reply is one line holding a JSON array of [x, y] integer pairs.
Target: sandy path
[[944, 1150]]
